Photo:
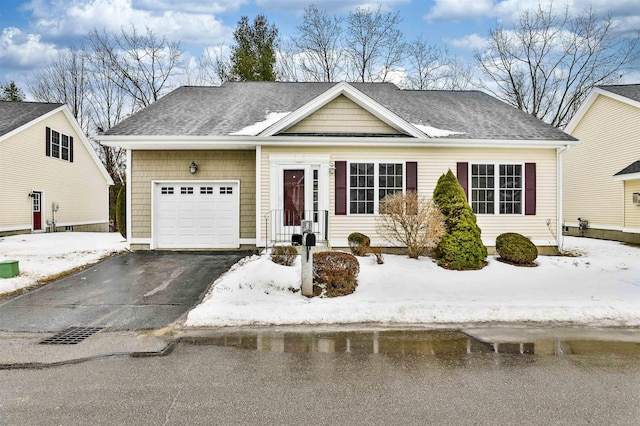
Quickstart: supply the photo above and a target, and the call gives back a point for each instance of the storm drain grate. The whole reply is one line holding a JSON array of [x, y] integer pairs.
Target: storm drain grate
[[71, 336]]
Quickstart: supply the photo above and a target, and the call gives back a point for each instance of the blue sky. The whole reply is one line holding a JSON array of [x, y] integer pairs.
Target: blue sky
[[32, 32]]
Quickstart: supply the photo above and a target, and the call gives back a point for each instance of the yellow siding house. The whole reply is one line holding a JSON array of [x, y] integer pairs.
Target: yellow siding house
[[601, 190], [250, 164], [50, 176]]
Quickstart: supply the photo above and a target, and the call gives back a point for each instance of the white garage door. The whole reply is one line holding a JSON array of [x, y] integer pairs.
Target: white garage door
[[197, 215]]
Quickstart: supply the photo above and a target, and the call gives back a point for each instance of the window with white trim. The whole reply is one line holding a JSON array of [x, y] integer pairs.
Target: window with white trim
[[60, 145], [370, 183], [505, 180]]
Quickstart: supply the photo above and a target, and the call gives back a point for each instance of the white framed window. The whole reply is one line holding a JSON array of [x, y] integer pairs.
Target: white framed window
[[497, 188], [371, 182], [60, 146]]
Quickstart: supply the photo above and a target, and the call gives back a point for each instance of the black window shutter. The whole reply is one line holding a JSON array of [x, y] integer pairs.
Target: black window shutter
[[341, 187], [463, 177], [47, 139], [71, 149], [412, 176], [530, 188]]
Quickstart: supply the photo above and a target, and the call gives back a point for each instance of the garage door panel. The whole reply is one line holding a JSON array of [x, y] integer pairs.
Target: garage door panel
[[204, 215]]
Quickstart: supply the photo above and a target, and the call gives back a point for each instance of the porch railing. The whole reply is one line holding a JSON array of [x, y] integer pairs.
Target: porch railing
[[280, 225]]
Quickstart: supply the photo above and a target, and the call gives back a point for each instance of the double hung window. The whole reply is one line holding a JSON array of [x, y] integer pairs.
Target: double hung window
[[497, 188], [370, 183]]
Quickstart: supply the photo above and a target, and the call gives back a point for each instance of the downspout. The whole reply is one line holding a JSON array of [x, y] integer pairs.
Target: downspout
[[559, 230]]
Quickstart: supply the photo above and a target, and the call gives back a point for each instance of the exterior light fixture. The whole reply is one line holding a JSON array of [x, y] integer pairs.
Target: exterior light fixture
[[193, 168], [332, 168]]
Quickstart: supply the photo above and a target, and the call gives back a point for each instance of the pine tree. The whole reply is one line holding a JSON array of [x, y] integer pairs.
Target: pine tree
[[461, 247], [253, 56], [11, 92]]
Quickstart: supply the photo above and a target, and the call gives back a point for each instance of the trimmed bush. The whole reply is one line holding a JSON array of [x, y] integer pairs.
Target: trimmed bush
[[284, 255], [516, 248], [121, 211], [461, 248], [359, 243], [336, 272]]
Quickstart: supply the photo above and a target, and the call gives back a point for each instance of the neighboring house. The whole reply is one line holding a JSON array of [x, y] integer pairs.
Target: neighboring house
[[50, 176], [602, 174], [270, 155]]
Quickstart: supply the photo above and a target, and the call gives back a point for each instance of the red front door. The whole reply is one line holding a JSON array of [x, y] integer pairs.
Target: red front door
[[37, 210], [293, 197]]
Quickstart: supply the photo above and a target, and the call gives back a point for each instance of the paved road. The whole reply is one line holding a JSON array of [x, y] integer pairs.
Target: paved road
[[298, 379], [134, 291]]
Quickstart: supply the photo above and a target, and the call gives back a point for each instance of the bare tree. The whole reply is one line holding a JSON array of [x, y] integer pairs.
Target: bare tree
[[215, 66], [431, 67], [319, 42], [288, 62], [142, 65], [109, 105], [64, 80], [373, 44], [548, 62]]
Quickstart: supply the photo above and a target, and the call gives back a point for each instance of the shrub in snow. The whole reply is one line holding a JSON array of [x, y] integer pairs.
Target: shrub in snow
[[461, 247], [359, 243], [516, 248], [335, 272], [412, 221], [284, 255]]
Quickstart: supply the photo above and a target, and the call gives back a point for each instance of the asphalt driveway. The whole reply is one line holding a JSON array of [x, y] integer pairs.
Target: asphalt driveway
[[134, 291]]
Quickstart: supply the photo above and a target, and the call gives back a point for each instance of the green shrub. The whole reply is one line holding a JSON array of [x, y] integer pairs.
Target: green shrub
[[284, 255], [516, 248], [121, 211], [359, 243], [461, 248], [336, 272]]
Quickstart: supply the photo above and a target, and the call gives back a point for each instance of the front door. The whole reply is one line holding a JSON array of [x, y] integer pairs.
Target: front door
[[37, 210], [293, 196]]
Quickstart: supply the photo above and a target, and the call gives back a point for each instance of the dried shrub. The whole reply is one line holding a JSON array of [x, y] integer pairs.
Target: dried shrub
[[284, 255], [412, 221], [516, 248], [336, 272], [359, 243]]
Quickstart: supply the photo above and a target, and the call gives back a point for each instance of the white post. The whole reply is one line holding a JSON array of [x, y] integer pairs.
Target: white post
[[306, 270]]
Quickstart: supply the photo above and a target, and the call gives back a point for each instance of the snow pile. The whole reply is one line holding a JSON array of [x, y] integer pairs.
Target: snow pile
[[600, 287], [257, 128], [435, 132], [48, 254]]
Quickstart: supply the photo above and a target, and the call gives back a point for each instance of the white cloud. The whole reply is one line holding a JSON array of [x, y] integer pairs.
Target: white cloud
[[58, 19], [19, 50], [469, 42], [331, 6], [191, 6], [458, 10]]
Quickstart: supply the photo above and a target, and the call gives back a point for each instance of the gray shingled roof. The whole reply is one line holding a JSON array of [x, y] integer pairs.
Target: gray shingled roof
[[631, 168], [219, 111], [631, 91], [16, 114]]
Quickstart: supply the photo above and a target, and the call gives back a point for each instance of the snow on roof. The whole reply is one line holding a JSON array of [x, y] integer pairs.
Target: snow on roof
[[255, 129], [435, 132]]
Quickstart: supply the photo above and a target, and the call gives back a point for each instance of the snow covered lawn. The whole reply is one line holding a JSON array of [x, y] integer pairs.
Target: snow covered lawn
[[44, 255], [601, 287]]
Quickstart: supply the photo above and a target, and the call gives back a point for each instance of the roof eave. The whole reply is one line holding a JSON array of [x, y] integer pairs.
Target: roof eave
[[250, 142]]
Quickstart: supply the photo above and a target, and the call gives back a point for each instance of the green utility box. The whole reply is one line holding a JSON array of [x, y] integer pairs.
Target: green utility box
[[9, 269]]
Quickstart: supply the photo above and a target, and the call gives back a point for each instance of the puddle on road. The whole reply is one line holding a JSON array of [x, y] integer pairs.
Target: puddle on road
[[444, 344]]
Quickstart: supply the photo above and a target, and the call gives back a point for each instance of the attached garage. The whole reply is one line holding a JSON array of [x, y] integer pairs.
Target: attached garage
[[196, 214]]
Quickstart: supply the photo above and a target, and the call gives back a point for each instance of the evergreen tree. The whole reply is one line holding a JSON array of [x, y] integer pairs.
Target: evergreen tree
[[461, 247], [11, 92], [253, 55]]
